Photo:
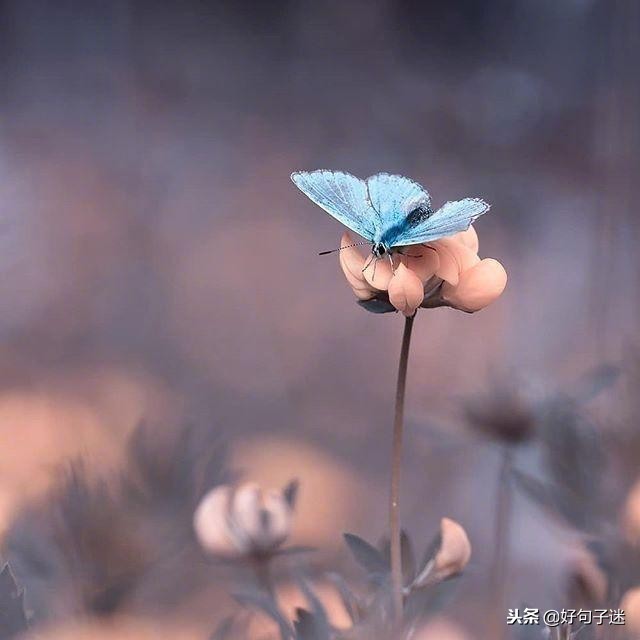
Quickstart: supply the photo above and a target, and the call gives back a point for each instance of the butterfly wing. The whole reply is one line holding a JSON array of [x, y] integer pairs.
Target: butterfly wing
[[395, 197], [343, 196], [451, 218]]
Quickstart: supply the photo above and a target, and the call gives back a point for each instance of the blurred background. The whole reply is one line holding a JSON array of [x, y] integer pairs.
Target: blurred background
[[157, 264]]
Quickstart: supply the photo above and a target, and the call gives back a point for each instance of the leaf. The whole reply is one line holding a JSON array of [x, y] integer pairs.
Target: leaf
[[427, 602], [575, 457], [307, 627], [223, 629], [350, 601], [265, 603], [13, 619], [596, 381], [424, 568], [408, 558], [366, 555], [377, 305], [320, 627], [554, 500]]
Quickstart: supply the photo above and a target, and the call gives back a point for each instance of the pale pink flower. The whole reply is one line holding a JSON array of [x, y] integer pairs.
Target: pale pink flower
[[447, 272], [243, 520]]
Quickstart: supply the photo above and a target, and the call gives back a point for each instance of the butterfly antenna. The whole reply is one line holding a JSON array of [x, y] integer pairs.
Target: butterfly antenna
[[375, 263], [348, 246], [393, 269]]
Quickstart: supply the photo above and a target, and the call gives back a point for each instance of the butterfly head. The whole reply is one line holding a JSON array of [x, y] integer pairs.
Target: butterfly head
[[380, 249]]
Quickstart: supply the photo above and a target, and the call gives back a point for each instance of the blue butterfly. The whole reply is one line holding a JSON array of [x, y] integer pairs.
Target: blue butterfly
[[388, 211]]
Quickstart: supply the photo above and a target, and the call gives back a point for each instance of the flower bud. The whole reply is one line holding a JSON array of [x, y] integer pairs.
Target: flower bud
[[406, 291], [477, 287], [245, 520], [454, 552]]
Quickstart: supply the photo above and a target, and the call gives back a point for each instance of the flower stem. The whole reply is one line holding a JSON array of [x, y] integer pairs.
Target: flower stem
[[396, 464], [262, 570], [501, 549]]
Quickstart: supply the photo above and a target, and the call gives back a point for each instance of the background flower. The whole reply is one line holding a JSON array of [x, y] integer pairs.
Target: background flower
[[245, 520]]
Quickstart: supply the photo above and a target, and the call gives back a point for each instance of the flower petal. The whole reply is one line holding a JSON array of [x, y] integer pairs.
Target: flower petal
[[278, 523], [469, 239], [423, 261], [455, 549], [247, 502], [211, 525], [455, 257], [352, 262], [477, 287], [406, 290], [378, 273]]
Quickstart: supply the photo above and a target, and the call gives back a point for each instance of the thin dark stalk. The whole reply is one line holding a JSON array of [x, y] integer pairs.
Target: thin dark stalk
[[396, 463], [501, 549], [262, 570]]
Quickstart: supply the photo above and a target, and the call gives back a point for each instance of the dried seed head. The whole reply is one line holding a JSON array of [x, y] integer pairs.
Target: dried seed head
[[505, 415]]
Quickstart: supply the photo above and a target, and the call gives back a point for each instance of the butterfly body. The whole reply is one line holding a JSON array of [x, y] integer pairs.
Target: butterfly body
[[388, 211]]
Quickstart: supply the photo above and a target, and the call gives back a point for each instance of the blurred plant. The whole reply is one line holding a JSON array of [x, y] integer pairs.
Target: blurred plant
[[506, 415], [572, 454], [244, 521], [246, 524], [135, 541], [573, 492], [371, 614], [13, 618], [94, 546]]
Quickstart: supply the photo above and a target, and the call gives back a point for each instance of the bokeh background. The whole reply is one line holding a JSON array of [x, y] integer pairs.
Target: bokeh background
[[157, 264]]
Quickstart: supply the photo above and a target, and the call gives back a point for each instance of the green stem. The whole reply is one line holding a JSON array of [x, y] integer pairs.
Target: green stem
[[396, 464]]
